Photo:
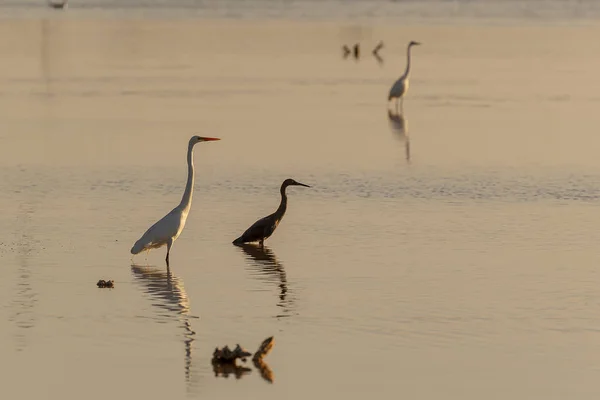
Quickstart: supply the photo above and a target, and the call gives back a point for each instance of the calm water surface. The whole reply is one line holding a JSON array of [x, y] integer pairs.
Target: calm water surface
[[450, 254]]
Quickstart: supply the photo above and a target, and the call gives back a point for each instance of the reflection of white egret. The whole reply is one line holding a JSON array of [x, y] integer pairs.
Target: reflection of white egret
[[399, 125], [169, 227], [173, 299], [400, 87], [25, 298], [266, 266]]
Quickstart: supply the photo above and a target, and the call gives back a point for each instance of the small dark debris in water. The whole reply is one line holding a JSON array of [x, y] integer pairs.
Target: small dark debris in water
[[105, 284], [377, 48], [224, 360], [262, 367], [264, 348], [226, 369], [225, 355], [356, 51], [346, 51]]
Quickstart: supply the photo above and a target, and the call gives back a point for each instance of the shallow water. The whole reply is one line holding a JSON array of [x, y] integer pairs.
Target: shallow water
[[449, 255]]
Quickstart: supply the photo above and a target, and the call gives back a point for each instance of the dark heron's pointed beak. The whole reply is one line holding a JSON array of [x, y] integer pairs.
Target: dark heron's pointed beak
[[301, 184], [208, 139]]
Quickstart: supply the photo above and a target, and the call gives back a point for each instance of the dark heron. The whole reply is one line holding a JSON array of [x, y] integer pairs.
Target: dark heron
[[264, 227]]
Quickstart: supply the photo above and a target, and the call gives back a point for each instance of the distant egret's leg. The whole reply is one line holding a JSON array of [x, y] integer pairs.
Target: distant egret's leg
[[396, 105], [169, 244], [402, 105]]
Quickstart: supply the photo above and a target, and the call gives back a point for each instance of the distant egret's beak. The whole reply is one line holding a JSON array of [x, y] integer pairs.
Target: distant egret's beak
[[418, 43], [301, 184], [208, 139]]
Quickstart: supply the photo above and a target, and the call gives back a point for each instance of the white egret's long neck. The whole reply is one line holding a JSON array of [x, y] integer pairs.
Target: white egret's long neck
[[186, 200], [407, 70]]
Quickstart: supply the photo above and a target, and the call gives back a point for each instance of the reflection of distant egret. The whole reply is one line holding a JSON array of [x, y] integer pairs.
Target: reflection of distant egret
[[399, 125], [266, 266], [173, 299]]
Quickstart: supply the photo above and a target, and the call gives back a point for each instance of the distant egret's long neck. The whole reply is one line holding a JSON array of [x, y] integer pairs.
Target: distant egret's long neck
[[407, 70], [283, 205], [186, 200]]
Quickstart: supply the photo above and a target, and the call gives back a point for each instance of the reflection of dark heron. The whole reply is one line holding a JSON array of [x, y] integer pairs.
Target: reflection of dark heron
[[168, 289], [265, 265], [399, 125]]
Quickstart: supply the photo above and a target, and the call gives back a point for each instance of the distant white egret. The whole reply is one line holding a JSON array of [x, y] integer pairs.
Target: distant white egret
[[401, 85], [169, 227]]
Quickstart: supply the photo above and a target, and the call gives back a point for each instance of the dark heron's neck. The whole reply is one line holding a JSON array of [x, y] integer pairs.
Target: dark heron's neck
[[283, 205]]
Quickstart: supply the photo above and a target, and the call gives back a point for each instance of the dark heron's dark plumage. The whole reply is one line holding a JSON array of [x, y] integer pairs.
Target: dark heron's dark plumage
[[264, 227]]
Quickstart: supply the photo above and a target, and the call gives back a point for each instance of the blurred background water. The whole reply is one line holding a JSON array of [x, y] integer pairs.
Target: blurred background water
[[448, 252]]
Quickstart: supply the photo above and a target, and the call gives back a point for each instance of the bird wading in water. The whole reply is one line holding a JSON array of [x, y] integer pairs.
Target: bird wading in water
[[263, 228], [169, 227], [401, 85]]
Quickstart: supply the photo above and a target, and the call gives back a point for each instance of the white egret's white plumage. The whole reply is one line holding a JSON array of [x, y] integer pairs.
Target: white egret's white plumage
[[401, 85], [169, 227]]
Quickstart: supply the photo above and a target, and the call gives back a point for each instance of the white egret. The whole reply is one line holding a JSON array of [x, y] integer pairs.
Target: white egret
[[401, 85], [169, 227]]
